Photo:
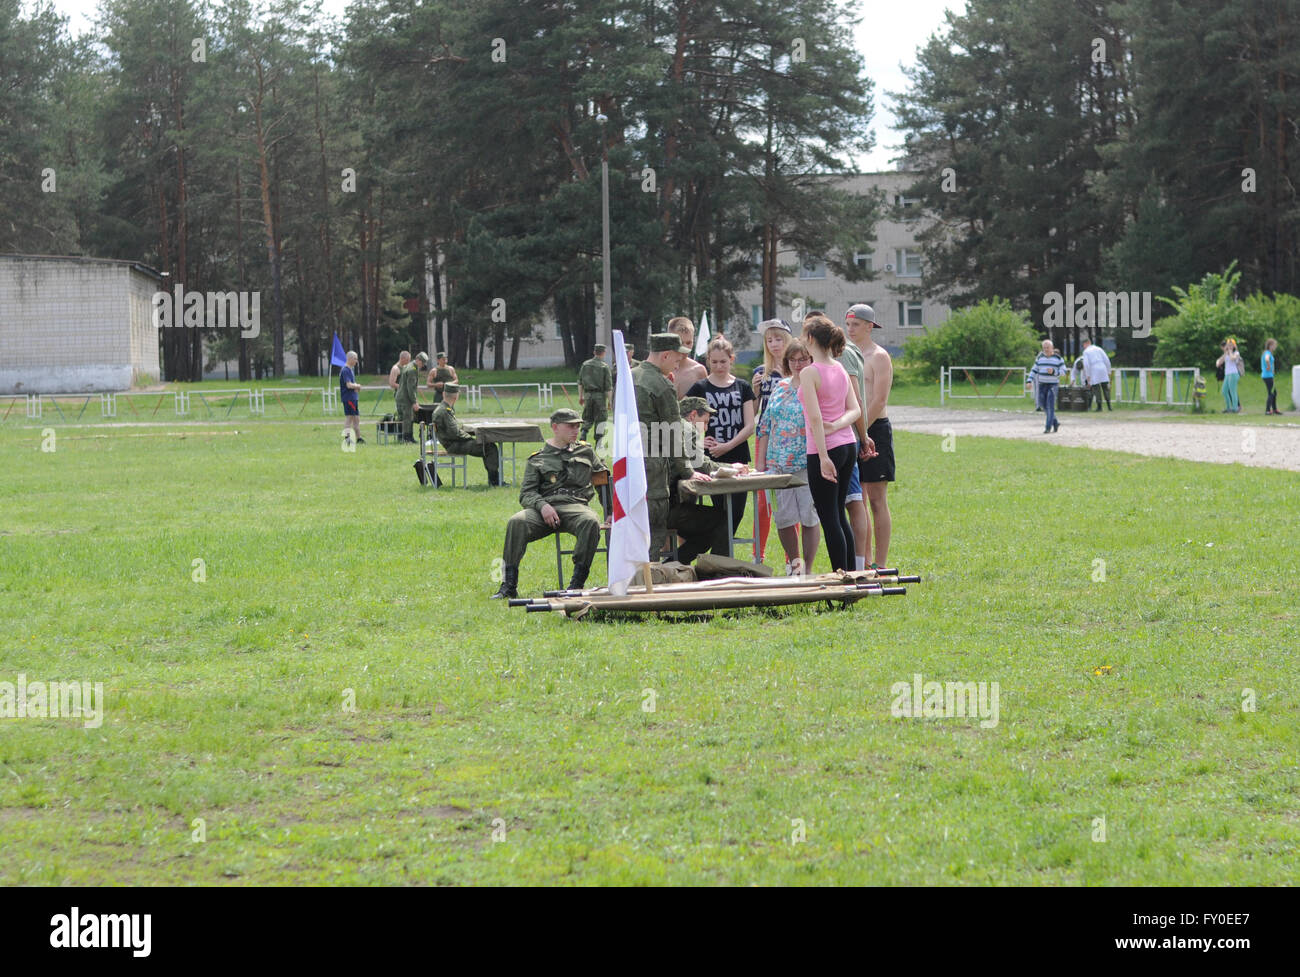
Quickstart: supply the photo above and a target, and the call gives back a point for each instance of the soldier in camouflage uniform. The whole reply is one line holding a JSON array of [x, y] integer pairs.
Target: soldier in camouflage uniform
[[632, 364], [660, 416], [555, 494], [594, 388], [702, 526], [408, 383], [457, 439]]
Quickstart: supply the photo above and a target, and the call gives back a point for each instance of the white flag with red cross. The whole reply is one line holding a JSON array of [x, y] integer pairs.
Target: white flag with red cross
[[629, 538]]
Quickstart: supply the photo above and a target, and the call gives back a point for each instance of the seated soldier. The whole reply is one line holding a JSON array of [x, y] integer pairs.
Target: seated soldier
[[554, 494], [701, 526], [459, 440]]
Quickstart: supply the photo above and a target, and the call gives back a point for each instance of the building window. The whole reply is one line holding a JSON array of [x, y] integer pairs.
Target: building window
[[863, 259], [909, 314], [755, 317], [907, 263], [811, 267], [909, 207]]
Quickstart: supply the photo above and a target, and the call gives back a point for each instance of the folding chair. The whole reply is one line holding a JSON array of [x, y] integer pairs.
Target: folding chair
[[600, 482], [439, 460]]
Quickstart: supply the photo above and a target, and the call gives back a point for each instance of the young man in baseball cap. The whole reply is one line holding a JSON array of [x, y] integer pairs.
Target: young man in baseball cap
[[877, 472]]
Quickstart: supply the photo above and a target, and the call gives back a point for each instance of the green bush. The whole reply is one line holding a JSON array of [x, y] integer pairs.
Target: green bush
[[1208, 312], [988, 334]]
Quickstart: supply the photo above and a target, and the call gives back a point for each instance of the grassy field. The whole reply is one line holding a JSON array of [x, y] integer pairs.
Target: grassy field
[[1128, 609]]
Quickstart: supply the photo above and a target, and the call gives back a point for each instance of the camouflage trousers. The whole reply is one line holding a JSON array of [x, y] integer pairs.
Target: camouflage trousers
[[527, 526], [593, 413]]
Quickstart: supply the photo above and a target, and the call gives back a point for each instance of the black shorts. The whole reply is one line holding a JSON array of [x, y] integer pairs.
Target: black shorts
[[881, 467], [351, 409]]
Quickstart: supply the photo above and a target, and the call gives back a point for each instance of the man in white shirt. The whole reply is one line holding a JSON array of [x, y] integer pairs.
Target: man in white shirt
[[1096, 373]]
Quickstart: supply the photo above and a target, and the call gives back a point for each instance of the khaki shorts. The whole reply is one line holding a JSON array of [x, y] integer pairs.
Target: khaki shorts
[[795, 505]]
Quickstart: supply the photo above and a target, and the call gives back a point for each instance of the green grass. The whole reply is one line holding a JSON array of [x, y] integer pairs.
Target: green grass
[[328, 571]]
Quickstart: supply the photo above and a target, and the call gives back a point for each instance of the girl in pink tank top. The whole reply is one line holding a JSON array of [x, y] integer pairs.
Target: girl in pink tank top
[[831, 406], [831, 391]]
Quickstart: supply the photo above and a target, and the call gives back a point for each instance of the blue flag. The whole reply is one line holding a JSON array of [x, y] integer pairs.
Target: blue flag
[[337, 356]]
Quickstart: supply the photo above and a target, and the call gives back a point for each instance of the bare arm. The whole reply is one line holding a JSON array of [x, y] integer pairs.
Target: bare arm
[[852, 413], [743, 435]]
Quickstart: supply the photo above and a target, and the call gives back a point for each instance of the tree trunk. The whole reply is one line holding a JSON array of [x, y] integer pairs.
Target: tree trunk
[[272, 248], [440, 339], [325, 220], [245, 361], [499, 346]]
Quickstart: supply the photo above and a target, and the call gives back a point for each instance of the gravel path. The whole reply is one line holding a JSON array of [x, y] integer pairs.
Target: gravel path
[[1273, 445]]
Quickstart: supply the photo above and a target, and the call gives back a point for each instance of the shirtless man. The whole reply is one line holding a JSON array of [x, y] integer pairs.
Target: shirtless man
[[395, 374], [875, 473], [686, 375]]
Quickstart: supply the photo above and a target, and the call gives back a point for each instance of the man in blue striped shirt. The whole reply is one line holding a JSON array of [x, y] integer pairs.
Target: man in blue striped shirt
[[1047, 371]]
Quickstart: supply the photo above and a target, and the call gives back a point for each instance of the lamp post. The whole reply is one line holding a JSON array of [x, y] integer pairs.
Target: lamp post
[[607, 301]]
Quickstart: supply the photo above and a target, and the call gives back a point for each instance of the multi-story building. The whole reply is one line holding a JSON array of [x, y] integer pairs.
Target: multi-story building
[[894, 257]]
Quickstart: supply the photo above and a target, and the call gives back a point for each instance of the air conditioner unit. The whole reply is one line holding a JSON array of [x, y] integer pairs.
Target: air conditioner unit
[[889, 267]]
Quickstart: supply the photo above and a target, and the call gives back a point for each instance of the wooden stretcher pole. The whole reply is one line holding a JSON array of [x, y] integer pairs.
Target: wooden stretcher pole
[[714, 601], [741, 583]]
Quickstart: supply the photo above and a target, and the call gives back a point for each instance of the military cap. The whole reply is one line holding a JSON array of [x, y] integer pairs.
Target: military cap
[[668, 342], [629, 349], [565, 415], [422, 356], [598, 348], [442, 356], [451, 388], [695, 403]]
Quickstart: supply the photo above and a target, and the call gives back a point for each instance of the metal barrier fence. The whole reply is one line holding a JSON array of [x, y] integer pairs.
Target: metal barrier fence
[[1146, 385], [199, 403], [1130, 385], [966, 375]]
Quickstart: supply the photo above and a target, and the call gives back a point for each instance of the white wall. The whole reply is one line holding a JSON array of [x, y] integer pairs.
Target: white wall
[[74, 325]]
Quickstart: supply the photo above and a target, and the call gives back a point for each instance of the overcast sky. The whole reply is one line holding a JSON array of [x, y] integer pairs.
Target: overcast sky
[[890, 32]]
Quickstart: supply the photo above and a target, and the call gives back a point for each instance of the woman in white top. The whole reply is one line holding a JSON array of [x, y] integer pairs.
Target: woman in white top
[[1233, 368]]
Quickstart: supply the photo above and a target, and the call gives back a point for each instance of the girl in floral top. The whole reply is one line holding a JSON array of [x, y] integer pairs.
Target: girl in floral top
[[782, 447]]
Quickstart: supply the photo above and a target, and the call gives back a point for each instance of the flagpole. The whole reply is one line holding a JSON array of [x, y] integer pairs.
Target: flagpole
[[607, 298]]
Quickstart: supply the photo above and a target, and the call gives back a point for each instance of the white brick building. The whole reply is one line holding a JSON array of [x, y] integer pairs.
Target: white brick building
[[72, 325]]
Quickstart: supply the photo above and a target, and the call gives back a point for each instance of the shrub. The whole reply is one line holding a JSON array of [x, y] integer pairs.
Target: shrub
[[1208, 312], [990, 333]]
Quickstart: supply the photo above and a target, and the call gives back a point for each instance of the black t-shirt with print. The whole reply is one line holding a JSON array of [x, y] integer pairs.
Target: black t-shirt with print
[[729, 403]]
